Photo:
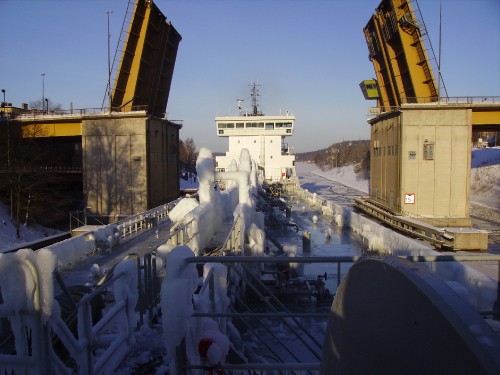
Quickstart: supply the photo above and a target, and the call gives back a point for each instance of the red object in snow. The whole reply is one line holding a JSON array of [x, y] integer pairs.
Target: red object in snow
[[203, 346]]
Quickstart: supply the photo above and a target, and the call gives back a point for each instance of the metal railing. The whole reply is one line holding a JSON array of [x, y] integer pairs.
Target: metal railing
[[465, 101], [277, 311], [234, 242], [68, 113], [4, 168], [83, 112]]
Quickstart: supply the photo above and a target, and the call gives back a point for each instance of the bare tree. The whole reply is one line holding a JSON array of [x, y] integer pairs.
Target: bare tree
[[24, 170], [48, 106], [190, 154]]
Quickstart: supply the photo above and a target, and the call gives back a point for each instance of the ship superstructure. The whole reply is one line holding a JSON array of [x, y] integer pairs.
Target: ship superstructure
[[263, 136]]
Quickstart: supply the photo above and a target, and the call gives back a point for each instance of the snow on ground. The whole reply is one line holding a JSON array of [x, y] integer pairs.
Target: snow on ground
[[27, 233], [345, 175], [485, 178]]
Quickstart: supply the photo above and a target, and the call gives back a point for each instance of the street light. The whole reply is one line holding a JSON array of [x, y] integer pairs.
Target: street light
[[3, 104], [43, 92], [109, 63]]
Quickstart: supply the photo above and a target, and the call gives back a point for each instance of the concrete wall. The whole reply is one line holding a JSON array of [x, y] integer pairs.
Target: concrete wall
[[130, 164], [163, 165], [421, 163], [114, 165], [385, 178]]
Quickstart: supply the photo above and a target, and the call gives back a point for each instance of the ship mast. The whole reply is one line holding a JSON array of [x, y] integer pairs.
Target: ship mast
[[255, 94]]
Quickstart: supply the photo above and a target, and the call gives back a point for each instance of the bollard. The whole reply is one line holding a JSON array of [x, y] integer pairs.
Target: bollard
[[306, 242]]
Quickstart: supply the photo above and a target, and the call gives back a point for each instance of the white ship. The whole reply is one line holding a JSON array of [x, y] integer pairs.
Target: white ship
[[263, 136]]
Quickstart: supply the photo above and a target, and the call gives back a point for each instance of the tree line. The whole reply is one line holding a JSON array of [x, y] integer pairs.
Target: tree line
[[340, 154]]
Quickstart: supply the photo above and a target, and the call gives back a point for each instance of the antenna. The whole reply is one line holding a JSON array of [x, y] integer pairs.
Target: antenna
[[255, 94]]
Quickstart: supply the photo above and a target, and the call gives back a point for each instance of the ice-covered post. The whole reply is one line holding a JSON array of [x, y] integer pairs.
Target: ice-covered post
[[218, 294], [26, 279], [177, 290], [241, 178], [126, 290], [205, 169]]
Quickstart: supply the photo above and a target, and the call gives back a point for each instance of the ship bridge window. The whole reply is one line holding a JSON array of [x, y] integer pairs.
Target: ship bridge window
[[230, 125], [288, 130], [270, 125], [221, 125], [284, 125], [254, 124], [221, 131], [240, 125]]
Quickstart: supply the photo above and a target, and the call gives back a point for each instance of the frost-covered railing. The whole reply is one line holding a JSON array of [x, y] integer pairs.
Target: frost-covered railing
[[182, 233], [143, 221], [37, 321], [234, 242], [110, 236]]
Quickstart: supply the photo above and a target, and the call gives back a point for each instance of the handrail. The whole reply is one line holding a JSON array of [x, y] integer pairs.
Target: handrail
[[341, 259], [234, 239], [68, 113], [464, 101]]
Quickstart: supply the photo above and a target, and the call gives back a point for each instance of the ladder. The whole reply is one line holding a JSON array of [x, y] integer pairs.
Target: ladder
[[442, 92]]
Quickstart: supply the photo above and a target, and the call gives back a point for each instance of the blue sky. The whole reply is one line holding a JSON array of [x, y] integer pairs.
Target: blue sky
[[308, 56]]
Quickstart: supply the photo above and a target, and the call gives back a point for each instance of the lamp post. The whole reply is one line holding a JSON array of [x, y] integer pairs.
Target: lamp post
[[109, 63], [43, 92], [3, 104]]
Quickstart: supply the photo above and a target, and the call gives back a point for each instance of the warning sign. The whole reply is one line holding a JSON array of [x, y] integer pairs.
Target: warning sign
[[409, 198]]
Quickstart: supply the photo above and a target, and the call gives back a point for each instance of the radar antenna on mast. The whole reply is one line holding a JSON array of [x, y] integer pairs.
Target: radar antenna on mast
[[255, 94]]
